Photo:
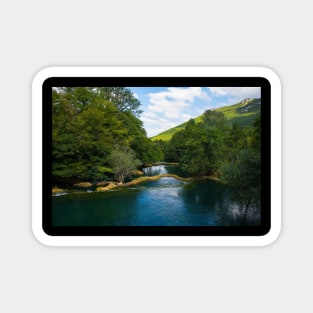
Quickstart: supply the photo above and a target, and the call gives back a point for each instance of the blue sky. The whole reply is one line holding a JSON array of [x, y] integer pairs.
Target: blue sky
[[166, 107]]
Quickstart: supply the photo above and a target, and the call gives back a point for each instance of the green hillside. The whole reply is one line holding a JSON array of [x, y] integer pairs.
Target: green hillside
[[243, 113]]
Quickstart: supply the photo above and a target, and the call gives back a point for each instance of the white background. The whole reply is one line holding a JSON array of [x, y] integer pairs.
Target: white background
[[37, 34]]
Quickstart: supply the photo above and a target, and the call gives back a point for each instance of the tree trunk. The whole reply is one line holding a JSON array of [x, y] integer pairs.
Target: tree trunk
[[246, 211], [121, 178]]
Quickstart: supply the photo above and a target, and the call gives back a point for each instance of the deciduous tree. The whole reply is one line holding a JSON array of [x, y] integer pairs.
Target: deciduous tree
[[122, 161]]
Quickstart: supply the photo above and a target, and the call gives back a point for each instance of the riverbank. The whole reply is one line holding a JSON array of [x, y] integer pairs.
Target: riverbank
[[139, 180], [101, 187], [57, 190], [110, 185], [156, 177]]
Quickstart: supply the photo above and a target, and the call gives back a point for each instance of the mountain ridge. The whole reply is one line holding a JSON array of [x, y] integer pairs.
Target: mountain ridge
[[243, 112]]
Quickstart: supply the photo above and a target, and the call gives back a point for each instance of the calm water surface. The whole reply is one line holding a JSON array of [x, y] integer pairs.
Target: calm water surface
[[164, 202]]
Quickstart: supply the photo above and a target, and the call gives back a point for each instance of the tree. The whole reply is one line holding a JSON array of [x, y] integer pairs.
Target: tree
[[243, 174], [243, 178], [122, 161], [200, 146], [235, 141], [87, 122], [121, 97], [214, 119]]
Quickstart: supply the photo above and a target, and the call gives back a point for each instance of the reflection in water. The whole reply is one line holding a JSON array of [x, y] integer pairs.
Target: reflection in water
[[163, 202]]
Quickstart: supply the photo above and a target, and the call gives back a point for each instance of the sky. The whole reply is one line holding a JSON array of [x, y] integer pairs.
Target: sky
[[166, 107]]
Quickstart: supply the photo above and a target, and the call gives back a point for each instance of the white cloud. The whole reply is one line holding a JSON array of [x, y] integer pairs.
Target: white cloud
[[172, 115], [186, 116], [174, 100], [167, 109], [149, 115], [237, 93], [156, 125], [176, 105], [149, 121]]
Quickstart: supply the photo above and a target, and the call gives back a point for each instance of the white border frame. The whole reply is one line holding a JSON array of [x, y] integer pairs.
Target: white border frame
[[156, 240]]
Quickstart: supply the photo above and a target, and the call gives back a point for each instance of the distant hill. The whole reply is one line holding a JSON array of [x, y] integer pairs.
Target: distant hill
[[243, 113]]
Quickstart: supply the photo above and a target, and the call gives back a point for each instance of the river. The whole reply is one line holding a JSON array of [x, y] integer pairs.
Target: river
[[163, 202]]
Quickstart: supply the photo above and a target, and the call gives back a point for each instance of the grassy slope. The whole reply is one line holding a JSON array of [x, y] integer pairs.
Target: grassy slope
[[243, 112]]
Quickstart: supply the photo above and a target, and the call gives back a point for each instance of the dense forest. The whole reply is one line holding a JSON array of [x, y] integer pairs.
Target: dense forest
[[92, 127], [224, 149], [97, 135]]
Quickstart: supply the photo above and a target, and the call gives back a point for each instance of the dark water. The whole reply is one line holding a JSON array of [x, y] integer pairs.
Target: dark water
[[164, 202]]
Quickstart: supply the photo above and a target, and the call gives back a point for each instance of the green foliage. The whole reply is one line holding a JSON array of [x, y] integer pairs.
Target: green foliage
[[242, 173], [168, 134], [122, 98], [225, 143], [242, 113], [227, 150], [243, 177], [96, 135], [200, 147], [87, 122], [122, 161]]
